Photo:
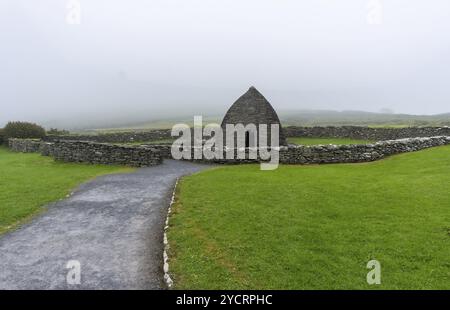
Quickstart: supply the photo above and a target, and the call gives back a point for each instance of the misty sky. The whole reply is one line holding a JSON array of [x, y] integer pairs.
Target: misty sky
[[148, 59]]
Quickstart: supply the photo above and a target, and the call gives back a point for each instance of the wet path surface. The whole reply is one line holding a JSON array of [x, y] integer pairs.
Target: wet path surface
[[113, 226]]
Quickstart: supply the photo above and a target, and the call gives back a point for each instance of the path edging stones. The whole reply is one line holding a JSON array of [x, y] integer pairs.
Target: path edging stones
[[167, 278]]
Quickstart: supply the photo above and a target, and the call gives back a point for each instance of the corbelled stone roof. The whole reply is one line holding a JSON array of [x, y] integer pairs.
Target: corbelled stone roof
[[253, 108]]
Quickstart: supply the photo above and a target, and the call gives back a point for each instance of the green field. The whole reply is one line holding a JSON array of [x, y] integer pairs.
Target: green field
[[30, 181], [315, 227], [316, 141]]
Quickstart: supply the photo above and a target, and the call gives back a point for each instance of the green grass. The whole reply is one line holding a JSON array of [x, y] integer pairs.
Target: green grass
[[316, 141], [30, 181], [315, 227]]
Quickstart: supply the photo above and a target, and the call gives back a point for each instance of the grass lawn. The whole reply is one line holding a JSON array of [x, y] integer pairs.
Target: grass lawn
[[30, 181], [316, 141], [315, 227]]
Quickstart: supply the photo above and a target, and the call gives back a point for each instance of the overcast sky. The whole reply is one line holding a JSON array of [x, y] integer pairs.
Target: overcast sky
[[154, 58]]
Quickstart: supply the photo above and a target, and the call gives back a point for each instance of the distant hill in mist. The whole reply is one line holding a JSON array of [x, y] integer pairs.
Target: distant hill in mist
[[288, 117], [361, 118]]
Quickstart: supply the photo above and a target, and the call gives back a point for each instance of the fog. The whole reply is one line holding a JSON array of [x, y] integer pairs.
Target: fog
[[144, 60]]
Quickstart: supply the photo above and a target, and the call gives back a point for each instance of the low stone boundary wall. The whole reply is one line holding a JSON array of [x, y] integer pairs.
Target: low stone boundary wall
[[46, 148], [149, 155], [320, 154], [117, 137], [24, 145], [101, 153], [353, 132], [166, 152], [366, 133], [90, 152], [164, 149]]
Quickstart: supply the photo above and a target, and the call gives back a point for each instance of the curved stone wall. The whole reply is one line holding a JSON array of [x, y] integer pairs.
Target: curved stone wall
[[327, 154], [149, 155], [321, 154], [353, 132]]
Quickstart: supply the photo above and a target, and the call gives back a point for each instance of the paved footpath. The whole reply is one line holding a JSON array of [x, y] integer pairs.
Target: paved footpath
[[113, 226]]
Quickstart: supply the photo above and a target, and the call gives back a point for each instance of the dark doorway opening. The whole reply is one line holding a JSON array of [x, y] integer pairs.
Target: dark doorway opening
[[247, 139]]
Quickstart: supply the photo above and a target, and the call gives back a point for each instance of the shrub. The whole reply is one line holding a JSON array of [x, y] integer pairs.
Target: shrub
[[57, 132], [2, 138], [23, 130]]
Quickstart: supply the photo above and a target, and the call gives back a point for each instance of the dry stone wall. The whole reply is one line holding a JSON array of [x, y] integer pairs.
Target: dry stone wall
[[149, 155], [91, 152], [353, 132], [367, 133], [46, 148], [117, 137], [164, 149], [102, 153], [326, 154], [24, 145], [320, 154]]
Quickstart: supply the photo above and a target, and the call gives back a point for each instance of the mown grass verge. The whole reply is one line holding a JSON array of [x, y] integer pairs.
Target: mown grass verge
[[30, 181], [315, 227]]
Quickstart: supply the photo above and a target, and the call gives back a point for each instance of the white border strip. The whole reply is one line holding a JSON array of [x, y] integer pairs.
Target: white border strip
[[167, 278]]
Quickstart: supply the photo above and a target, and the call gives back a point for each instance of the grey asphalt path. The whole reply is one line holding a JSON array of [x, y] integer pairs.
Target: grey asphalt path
[[113, 226]]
